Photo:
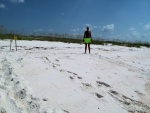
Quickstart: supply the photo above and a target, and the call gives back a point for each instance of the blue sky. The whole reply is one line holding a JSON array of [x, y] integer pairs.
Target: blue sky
[[111, 19]]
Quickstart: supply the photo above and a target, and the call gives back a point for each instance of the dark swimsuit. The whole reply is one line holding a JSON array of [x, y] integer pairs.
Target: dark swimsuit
[[87, 37]]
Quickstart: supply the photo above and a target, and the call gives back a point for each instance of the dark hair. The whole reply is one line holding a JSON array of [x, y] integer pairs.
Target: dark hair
[[87, 27]]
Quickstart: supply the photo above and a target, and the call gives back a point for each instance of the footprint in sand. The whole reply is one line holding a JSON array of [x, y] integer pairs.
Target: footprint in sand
[[98, 95], [2, 87], [33, 107], [18, 60], [133, 106], [57, 60], [62, 70], [72, 73], [18, 91], [79, 77], [86, 84], [2, 110], [21, 94], [71, 77], [139, 93], [99, 83]]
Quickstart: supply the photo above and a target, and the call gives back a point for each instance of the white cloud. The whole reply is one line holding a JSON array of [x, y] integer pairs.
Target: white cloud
[[146, 35], [131, 29], [75, 30], [83, 29], [109, 27], [2, 6], [50, 30], [39, 30], [136, 34], [95, 27], [147, 27], [91, 27], [88, 25], [17, 1]]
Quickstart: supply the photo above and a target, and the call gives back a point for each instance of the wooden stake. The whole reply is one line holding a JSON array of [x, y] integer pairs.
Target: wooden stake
[[16, 44], [14, 38], [10, 43]]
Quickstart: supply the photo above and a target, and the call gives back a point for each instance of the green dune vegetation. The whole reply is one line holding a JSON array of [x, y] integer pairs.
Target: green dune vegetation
[[62, 38]]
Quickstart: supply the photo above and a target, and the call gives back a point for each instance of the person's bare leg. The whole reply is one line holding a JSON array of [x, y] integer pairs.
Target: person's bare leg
[[89, 47], [85, 48]]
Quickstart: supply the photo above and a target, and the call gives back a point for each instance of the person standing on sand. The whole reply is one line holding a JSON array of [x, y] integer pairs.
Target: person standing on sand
[[87, 39]]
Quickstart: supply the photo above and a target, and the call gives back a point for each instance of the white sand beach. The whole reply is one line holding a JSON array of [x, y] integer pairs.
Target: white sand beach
[[56, 77]]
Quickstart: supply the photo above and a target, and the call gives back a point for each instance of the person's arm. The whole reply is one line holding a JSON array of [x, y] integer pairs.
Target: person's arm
[[91, 35], [84, 37]]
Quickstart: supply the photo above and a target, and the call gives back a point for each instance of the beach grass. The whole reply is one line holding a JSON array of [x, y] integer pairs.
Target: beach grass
[[75, 40]]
